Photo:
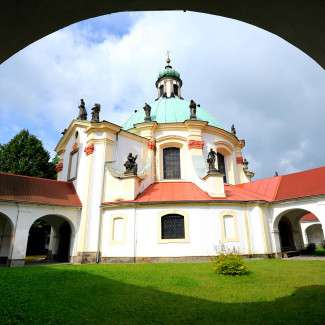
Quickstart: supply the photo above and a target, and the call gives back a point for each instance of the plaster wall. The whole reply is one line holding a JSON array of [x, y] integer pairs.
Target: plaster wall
[[23, 216], [204, 226]]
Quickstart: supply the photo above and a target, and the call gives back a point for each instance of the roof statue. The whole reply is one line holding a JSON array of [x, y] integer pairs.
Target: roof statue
[[147, 111], [95, 113], [82, 111], [193, 110], [131, 167], [233, 129], [211, 160]]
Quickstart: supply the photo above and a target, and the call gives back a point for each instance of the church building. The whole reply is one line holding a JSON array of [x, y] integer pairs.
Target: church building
[[170, 184]]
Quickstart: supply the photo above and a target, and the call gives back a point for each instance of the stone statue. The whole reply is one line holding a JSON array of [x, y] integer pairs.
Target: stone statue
[[212, 161], [193, 109], [82, 111], [147, 111], [95, 113], [245, 163], [233, 129], [131, 167]]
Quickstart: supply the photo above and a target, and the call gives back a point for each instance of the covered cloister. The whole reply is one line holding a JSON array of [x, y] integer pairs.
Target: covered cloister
[[289, 238], [49, 240]]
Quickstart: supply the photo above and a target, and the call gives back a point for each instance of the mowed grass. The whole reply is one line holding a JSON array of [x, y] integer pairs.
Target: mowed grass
[[275, 291]]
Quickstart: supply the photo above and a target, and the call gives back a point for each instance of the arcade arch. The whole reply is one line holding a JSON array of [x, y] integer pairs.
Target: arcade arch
[[6, 235], [290, 239], [50, 239]]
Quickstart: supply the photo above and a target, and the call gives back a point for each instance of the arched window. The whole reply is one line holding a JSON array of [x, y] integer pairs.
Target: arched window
[[161, 90], [175, 88], [222, 165], [172, 166], [172, 227]]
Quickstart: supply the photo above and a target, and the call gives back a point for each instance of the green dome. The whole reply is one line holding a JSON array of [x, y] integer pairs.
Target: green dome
[[169, 72], [169, 110]]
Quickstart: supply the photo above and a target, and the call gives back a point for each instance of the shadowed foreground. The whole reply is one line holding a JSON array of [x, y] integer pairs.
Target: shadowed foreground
[[274, 292]]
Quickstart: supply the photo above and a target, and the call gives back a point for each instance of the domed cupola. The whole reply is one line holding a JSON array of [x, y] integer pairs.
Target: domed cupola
[[169, 83]]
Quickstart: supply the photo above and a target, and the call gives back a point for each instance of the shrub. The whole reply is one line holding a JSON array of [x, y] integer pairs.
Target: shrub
[[230, 264], [311, 247]]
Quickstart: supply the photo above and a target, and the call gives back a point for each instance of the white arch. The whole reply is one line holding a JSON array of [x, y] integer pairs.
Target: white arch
[[294, 213], [6, 237], [55, 221]]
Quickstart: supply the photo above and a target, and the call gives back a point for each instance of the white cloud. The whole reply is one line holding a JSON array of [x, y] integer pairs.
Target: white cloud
[[243, 75]]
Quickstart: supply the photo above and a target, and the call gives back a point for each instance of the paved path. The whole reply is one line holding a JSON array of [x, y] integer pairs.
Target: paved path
[[306, 258]]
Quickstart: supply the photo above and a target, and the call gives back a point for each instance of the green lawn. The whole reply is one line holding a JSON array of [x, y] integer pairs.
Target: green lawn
[[275, 291]]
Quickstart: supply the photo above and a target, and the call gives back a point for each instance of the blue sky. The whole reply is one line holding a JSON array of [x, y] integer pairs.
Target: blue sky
[[269, 89]]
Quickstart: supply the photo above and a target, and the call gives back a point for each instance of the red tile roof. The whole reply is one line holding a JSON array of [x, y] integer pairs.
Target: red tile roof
[[306, 183], [28, 189], [303, 184], [309, 217]]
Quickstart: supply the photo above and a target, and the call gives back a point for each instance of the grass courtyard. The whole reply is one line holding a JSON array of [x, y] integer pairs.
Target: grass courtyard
[[275, 291]]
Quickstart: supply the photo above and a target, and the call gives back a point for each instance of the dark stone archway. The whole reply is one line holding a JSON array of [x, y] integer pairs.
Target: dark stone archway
[[286, 235], [6, 231], [300, 22], [49, 240]]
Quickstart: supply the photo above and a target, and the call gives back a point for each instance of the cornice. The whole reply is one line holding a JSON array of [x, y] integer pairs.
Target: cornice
[[70, 130], [103, 126]]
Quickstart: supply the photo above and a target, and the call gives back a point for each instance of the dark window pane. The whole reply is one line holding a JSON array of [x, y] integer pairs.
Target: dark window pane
[[172, 169], [222, 166], [175, 90], [172, 227]]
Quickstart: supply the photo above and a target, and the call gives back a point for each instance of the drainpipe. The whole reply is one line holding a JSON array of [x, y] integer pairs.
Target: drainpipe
[[99, 236], [135, 236]]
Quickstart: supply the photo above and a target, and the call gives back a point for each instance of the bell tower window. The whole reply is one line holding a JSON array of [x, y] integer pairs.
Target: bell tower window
[[161, 90], [175, 88], [171, 161]]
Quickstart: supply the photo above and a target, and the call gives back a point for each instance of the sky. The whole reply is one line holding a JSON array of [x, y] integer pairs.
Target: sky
[[270, 90]]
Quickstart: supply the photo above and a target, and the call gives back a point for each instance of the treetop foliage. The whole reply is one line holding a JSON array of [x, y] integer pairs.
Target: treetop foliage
[[24, 154]]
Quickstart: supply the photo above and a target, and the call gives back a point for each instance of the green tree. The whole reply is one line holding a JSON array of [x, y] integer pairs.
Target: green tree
[[25, 155]]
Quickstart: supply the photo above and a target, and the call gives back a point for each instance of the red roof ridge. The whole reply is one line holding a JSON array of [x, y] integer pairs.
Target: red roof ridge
[[34, 177]]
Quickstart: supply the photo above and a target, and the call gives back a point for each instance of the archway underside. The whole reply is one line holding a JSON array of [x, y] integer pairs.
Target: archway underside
[[299, 22], [49, 240], [6, 229], [291, 234]]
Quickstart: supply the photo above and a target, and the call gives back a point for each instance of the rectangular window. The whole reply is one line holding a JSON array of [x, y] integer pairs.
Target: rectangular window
[[118, 230], [171, 161], [73, 165], [222, 166], [229, 227], [172, 227]]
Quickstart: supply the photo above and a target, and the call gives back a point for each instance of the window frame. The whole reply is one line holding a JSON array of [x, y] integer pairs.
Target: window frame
[[179, 222], [182, 213], [112, 224], [222, 157], [72, 153], [179, 163], [224, 238]]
